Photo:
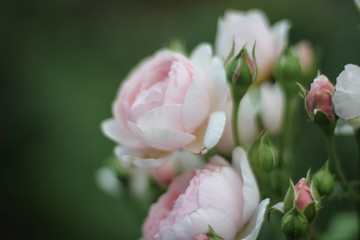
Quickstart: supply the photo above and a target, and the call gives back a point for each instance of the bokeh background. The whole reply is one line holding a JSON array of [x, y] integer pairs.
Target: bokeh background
[[62, 63]]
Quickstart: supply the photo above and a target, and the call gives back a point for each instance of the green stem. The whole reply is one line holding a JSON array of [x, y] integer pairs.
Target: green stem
[[357, 134], [234, 119], [330, 145]]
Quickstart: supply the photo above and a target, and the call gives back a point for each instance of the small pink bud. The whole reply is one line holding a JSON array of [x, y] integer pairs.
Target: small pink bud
[[303, 195], [304, 51], [320, 98]]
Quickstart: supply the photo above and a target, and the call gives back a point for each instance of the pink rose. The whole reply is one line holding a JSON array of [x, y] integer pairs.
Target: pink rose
[[319, 98], [303, 195], [246, 28], [267, 103], [223, 197], [169, 102]]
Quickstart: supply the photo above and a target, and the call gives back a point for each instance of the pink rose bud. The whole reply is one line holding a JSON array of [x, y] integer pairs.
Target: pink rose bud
[[304, 51], [319, 98], [303, 195], [169, 102]]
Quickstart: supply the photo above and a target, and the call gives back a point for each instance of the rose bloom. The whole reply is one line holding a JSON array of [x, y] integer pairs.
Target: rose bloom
[[249, 28], [320, 98], [169, 102], [346, 97], [223, 197], [266, 102], [303, 195]]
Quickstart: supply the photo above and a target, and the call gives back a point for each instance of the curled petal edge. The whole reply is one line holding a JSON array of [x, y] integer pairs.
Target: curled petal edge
[[252, 229]]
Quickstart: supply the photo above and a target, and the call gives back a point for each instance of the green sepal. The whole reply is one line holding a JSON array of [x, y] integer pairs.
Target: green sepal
[[294, 224], [321, 118], [289, 201], [308, 177], [278, 207], [310, 211], [213, 235], [315, 195]]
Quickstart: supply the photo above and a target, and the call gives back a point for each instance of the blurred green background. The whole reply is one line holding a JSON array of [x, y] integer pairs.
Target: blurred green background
[[62, 63]]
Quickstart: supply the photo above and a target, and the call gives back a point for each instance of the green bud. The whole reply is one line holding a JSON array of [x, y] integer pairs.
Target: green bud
[[294, 224], [324, 180], [241, 69], [263, 153], [288, 67]]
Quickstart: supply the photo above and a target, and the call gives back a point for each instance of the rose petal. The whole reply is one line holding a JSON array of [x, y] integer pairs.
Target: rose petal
[[163, 117], [214, 129], [252, 229], [280, 34], [250, 188], [346, 97], [272, 106], [112, 130], [197, 102], [247, 119], [131, 157], [219, 88], [163, 139]]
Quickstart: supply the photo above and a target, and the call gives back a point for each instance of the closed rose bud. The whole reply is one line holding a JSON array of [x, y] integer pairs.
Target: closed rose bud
[[304, 51], [303, 195], [324, 180], [252, 28], [319, 98]]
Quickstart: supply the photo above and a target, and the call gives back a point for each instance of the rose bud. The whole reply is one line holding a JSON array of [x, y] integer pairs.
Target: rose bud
[[169, 102], [303, 195], [319, 99], [249, 29], [263, 153], [294, 224], [347, 95], [324, 180], [220, 196], [304, 51]]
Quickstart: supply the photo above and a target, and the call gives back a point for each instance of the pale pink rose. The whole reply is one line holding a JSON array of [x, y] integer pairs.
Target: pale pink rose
[[169, 102], [320, 98], [266, 103], [223, 197], [246, 28], [347, 95], [303, 194]]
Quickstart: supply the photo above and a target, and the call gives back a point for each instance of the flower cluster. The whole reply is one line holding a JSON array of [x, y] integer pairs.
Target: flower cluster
[[203, 127]]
